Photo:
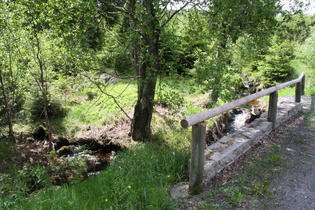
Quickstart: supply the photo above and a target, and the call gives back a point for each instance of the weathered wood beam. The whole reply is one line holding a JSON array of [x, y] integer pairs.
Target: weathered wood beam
[[192, 120], [272, 109], [196, 167], [298, 92]]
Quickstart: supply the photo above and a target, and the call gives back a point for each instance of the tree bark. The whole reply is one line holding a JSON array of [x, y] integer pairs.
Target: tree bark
[[145, 59], [8, 107], [217, 80], [44, 91]]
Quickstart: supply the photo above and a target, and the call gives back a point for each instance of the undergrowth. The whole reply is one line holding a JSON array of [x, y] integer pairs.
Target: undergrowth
[[137, 179]]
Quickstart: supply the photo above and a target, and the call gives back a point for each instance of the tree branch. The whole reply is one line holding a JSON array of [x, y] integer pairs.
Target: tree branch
[[109, 95], [174, 13]]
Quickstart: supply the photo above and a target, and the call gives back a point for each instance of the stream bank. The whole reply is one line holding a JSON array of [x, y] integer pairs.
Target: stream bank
[[85, 154]]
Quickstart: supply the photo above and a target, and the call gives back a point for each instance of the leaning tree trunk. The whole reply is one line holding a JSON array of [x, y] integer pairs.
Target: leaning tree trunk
[[145, 47]]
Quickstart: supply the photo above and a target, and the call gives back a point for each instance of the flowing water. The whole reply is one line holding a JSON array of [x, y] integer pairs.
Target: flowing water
[[238, 120], [241, 116]]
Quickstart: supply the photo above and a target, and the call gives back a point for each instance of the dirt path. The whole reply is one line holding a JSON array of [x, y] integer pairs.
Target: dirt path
[[294, 187]]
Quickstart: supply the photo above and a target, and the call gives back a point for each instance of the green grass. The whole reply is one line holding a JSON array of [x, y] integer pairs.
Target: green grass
[[251, 186], [301, 66], [137, 179], [103, 109]]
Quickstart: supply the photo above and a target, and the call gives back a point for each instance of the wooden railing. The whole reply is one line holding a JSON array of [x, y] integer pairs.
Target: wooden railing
[[198, 143]]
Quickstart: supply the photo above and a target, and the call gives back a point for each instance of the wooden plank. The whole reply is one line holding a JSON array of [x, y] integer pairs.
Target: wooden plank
[[272, 109], [196, 167]]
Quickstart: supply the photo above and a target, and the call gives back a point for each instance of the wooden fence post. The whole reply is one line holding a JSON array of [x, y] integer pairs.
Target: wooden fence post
[[196, 166], [298, 91], [272, 109], [303, 85]]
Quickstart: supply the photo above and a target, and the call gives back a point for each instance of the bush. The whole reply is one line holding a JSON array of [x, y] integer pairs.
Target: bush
[[122, 63], [54, 109], [170, 98], [275, 64], [68, 169], [22, 183], [17, 108]]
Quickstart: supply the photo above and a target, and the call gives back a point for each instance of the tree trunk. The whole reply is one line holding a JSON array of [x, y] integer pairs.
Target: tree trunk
[[215, 93], [141, 124], [145, 45], [7, 106], [44, 91], [216, 90]]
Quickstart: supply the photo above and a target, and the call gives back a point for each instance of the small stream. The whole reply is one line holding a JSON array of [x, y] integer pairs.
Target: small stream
[[243, 115], [238, 120]]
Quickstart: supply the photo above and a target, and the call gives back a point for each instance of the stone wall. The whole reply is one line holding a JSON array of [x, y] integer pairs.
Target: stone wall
[[230, 147]]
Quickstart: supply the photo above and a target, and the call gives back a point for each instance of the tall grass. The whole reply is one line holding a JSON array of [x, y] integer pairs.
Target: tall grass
[[137, 179], [300, 66]]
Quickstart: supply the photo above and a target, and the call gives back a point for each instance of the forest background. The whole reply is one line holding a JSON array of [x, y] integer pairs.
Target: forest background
[[71, 66]]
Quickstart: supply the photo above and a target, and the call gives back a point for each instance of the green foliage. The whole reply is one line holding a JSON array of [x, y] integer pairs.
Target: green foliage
[[55, 109], [274, 66], [34, 177], [296, 27], [216, 42], [122, 62], [170, 97], [6, 151], [136, 179], [17, 109], [306, 51], [68, 169], [22, 183], [234, 196]]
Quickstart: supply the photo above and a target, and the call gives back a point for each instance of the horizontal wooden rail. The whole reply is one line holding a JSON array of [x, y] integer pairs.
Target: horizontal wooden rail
[[199, 127], [195, 119]]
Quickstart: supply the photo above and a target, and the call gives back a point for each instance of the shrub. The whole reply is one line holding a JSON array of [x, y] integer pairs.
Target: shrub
[[275, 64], [17, 108], [22, 183], [54, 109], [170, 98]]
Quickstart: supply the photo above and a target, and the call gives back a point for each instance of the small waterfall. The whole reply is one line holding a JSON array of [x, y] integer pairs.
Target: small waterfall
[[239, 118]]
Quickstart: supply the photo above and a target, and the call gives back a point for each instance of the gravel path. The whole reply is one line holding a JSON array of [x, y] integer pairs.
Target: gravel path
[[294, 187]]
